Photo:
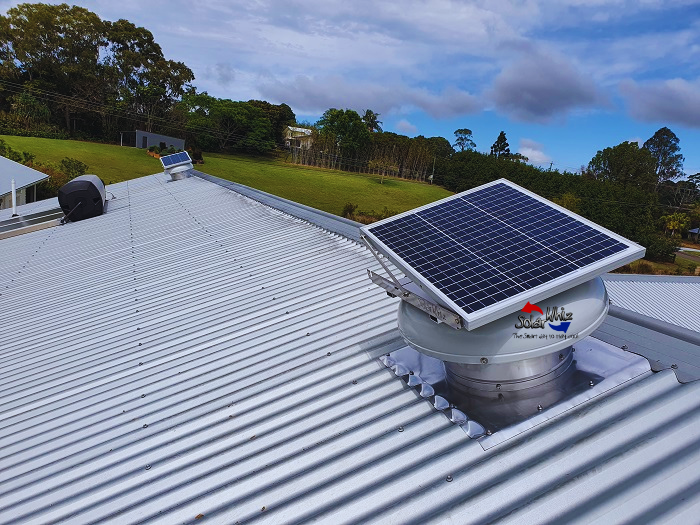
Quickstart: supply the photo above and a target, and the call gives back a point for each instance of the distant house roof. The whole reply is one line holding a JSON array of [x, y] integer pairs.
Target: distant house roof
[[207, 350], [303, 131], [674, 299], [23, 175]]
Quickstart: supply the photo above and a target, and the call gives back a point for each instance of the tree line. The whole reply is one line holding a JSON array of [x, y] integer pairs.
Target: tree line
[[64, 72]]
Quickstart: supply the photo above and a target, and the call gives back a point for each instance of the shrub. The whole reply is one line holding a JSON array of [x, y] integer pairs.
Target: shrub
[[23, 157], [349, 210], [659, 248], [643, 267], [73, 167], [44, 131], [623, 269]]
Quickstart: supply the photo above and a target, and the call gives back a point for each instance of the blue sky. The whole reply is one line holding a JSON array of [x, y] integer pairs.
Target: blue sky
[[562, 78]]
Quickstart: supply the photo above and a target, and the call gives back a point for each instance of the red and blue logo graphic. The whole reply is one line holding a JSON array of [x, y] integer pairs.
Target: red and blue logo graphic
[[553, 314]]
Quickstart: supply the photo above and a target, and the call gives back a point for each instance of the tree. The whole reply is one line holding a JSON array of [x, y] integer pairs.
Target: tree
[[57, 47], [676, 222], [371, 120], [663, 146], [346, 127], [518, 157], [625, 164], [28, 110], [223, 125], [501, 148], [464, 139], [280, 116], [569, 201]]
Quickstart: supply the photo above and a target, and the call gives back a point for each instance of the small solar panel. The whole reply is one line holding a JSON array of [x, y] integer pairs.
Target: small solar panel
[[487, 251], [181, 157]]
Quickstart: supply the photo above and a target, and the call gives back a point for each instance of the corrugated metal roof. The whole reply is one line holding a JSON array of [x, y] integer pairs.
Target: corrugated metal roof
[[32, 207], [192, 353], [674, 299], [23, 175]]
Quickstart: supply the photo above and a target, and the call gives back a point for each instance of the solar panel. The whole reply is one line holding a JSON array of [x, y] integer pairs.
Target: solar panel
[[181, 157], [485, 252]]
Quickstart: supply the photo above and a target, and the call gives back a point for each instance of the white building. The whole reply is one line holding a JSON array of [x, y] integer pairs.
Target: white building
[[25, 178]]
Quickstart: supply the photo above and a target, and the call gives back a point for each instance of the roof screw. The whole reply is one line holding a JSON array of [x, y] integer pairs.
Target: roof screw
[[400, 429], [591, 383], [448, 478], [354, 381], [143, 395], [488, 432], [148, 467], [145, 425], [498, 386], [139, 344], [328, 354], [674, 366], [410, 373], [484, 361], [140, 363], [624, 347], [561, 357], [387, 355], [539, 408]]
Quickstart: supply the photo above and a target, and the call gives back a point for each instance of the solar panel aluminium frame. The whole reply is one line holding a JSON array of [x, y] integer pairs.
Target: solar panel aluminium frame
[[632, 252]]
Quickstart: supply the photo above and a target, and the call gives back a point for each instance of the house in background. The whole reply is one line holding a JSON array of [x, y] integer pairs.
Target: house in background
[[146, 139], [299, 138], [25, 178]]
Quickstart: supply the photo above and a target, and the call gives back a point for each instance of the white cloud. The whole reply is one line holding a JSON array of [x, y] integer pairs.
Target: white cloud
[[404, 126], [315, 95], [534, 151], [671, 101]]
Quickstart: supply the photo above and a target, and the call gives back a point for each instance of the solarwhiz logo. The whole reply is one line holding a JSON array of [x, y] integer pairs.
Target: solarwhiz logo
[[553, 315]]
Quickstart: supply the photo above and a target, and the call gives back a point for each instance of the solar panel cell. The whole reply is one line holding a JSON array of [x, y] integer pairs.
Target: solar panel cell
[[181, 157], [494, 243]]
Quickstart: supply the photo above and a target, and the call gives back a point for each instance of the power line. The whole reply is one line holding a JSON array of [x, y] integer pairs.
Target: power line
[[59, 98]]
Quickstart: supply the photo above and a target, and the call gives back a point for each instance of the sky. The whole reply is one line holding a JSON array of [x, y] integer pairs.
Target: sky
[[562, 78]]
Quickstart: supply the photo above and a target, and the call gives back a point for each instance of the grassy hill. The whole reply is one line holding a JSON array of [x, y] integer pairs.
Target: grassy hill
[[323, 189]]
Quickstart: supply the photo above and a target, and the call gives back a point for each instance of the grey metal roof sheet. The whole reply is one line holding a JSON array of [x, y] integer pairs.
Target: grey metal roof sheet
[[192, 353], [674, 299], [23, 175]]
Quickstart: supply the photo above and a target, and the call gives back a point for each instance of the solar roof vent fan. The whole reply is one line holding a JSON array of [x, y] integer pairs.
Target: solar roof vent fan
[[178, 165], [499, 284]]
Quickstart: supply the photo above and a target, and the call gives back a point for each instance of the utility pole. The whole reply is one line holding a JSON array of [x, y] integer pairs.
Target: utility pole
[[433, 173]]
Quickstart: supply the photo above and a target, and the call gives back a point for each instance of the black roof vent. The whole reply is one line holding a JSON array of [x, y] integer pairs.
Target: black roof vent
[[82, 198]]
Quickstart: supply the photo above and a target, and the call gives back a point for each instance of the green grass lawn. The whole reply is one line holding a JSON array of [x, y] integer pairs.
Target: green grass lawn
[[323, 189], [111, 163], [320, 188]]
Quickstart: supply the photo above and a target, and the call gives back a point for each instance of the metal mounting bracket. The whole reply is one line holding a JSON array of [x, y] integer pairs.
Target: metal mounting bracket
[[437, 313]]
